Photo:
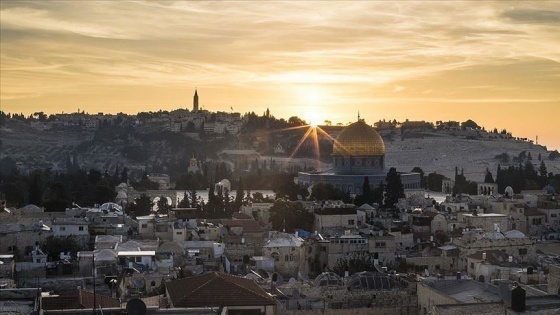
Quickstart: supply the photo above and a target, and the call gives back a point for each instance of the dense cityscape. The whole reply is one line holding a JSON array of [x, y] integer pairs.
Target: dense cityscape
[[279, 157], [244, 222]]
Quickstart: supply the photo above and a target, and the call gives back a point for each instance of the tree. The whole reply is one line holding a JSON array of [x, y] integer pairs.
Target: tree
[[292, 214], [543, 173], [124, 175], [394, 188], [103, 192], [143, 205], [323, 191], [57, 197], [239, 196], [184, 203], [163, 205], [367, 194], [36, 187], [53, 246], [470, 124], [488, 178], [194, 198], [360, 261]]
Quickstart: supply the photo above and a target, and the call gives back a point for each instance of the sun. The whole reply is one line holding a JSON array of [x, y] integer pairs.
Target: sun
[[312, 99], [312, 120]]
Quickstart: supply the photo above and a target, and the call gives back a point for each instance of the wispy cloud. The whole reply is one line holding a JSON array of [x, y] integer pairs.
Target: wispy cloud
[[360, 49]]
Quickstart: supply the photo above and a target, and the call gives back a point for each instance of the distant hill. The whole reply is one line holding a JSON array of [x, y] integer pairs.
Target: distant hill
[[149, 146]]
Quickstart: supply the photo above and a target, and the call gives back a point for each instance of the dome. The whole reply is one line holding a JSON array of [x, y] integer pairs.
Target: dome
[[493, 236], [549, 190], [121, 195], [359, 139], [328, 279], [366, 280], [514, 234]]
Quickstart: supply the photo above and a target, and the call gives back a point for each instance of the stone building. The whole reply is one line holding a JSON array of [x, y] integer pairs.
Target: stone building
[[515, 244], [485, 221], [332, 221], [287, 252], [77, 228]]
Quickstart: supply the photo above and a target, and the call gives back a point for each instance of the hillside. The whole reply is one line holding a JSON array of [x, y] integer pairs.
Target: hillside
[[148, 146]]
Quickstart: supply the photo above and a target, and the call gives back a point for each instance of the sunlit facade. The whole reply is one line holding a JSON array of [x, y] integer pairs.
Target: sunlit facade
[[358, 151]]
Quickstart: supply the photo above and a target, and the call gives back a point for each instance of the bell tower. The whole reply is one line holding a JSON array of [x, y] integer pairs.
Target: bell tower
[[195, 101]]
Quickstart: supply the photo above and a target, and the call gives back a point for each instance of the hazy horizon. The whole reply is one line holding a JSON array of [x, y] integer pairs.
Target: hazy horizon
[[496, 63]]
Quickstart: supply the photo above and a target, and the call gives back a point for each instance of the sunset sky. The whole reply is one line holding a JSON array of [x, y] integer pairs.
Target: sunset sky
[[497, 63]]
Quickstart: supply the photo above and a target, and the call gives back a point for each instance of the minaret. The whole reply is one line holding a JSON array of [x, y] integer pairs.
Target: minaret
[[195, 101]]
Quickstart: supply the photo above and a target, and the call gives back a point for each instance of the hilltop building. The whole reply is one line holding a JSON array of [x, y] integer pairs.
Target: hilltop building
[[358, 151], [195, 101]]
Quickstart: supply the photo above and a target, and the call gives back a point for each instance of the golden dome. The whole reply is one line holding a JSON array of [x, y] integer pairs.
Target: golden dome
[[359, 139]]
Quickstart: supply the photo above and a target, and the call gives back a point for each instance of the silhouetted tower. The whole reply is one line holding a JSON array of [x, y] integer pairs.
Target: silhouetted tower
[[195, 102]]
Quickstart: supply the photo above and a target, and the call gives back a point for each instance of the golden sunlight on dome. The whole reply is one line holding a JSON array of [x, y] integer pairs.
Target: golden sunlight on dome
[[359, 139]]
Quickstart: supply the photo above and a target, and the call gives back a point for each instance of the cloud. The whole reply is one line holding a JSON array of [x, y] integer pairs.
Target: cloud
[[533, 16], [52, 46]]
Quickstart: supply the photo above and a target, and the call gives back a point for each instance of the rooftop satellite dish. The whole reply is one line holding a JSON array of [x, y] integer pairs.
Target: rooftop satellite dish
[[303, 277], [299, 197], [136, 307], [292, 281], [279, 280], [139, 283]]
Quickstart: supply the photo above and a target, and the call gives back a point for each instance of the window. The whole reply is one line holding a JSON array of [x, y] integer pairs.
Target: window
[[553, 215], [323, 248], [180, 233], [380, 244], [11, 248], [472, 265], [138, 259], [537, 221], [286, 257], [523, 251], [80, 228], [144, 226], [62, 228], [350, 222], [276, 256], [37, 260], [291, 257]]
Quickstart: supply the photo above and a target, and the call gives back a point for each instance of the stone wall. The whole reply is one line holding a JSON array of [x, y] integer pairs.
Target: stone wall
[[554, 280]]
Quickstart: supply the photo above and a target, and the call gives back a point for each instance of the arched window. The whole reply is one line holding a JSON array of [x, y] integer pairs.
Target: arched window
[[275, 255], [286, 257]]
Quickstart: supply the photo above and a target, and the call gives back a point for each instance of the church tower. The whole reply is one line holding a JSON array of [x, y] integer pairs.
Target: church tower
[[195, 101]]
